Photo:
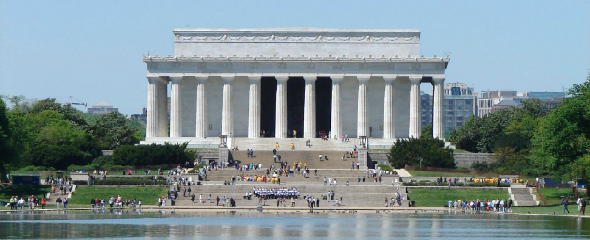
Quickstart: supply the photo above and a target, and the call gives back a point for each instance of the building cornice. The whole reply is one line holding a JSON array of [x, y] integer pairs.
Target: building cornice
[[298, 35], [173, 59]]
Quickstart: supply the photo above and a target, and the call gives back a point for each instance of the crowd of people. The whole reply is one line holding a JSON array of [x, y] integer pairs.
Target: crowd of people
[[32, 202], [274, 193], [476, 206]]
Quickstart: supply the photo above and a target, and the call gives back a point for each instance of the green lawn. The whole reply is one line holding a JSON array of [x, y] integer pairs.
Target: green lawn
[[553, 195], [22, 191], [385, 168], [558, 210], [450, 174], [441, 197], [147, 195], [460, 151]]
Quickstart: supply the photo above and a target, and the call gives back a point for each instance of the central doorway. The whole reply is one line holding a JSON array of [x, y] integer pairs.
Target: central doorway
[[268, 89], [323, 106], [295, 102]]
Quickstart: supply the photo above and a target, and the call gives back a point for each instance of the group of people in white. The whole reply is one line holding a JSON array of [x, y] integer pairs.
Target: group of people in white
[[272, 193]]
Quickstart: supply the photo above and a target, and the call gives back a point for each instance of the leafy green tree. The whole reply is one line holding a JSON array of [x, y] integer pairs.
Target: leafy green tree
[[70, 114], [430, 150], [57, 143], [6, 151], [113, 130], [562, 141]]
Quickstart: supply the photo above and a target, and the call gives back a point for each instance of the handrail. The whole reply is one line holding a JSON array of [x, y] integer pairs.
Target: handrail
[[541, 197]]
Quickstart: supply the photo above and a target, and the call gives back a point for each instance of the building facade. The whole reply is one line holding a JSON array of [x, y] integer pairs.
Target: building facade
[[301, 82], [493, 101], [102, 107], [459, 105]]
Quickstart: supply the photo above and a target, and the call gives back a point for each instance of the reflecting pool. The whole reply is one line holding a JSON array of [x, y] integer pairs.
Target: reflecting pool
[[266, 225]]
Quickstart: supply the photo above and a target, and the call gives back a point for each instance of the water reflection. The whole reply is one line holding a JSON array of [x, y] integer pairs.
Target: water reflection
[[255, 225]]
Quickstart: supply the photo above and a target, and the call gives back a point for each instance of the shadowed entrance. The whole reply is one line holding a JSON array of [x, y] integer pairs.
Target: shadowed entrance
[[295, 102], [323, 98], [268, 89]]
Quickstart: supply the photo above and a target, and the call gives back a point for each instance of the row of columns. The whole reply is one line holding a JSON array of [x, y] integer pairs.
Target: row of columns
[[156, 122]]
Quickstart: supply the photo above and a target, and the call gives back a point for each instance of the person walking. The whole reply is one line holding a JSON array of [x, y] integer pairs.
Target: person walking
[[565, 203]]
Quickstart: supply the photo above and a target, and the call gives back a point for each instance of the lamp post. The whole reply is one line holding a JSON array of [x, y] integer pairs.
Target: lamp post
[[420, 164]]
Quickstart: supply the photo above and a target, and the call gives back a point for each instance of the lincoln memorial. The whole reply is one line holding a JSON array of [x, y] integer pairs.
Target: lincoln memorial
[[258, 86]]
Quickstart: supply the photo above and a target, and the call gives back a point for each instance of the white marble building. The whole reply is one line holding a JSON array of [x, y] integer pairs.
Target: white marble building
[[242, 82]]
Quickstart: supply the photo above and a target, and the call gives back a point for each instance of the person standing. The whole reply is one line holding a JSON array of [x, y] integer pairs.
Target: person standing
[[43, 202], [217, 201], [565, 203], [58, 201], [65, 203]]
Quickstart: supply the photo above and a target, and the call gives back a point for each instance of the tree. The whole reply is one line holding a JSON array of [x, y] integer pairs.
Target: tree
[[6, 152], [70, 114], [56, 143], [430, 150], [113, 130], [562, 141]]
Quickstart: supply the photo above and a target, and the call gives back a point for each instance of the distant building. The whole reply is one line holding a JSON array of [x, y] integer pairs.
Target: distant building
[[460, 104], [140, 117], [102, 107], [493, 101]]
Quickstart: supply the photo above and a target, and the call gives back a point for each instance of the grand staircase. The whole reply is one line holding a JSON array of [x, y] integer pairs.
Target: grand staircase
[[364, 195], [523, 196]]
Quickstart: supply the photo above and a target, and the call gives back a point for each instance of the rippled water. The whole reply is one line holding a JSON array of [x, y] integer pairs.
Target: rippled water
[[266, 225]]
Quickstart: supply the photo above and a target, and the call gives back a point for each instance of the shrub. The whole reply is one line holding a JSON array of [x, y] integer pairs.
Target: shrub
[[153, 154], [124, 181], [34, 168]]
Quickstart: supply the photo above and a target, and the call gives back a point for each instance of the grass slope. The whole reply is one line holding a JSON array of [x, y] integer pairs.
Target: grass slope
[[440, 197], [450, 174], [147, 195], [553, 195], [23, 191]]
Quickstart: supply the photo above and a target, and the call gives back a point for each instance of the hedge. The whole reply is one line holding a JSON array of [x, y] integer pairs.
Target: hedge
[[124, 181], [153, 154], [469, 184]]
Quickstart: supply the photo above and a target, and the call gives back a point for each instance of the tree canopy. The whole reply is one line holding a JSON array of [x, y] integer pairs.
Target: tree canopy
[[49, 134], [432, 152]]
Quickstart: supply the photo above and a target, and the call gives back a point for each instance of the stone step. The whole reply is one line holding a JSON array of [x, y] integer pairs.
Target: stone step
[[526, 203], [306, 156], [284, 144], [520, 191]]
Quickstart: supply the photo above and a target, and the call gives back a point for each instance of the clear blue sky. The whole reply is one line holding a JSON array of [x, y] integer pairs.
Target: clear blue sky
[[92, 50]]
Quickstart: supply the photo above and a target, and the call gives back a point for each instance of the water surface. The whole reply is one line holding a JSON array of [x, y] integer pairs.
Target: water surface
[[267, 225]]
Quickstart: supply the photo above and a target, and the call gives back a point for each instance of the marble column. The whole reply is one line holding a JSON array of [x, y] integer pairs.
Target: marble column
[[309, 121], [362, 120], [281, 107], [438, 130], [254, 108], [163, 109], [201, 113], [388, 125], [336, 119], [152, 107], [415, 127], [175, 107], [226, 112]]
